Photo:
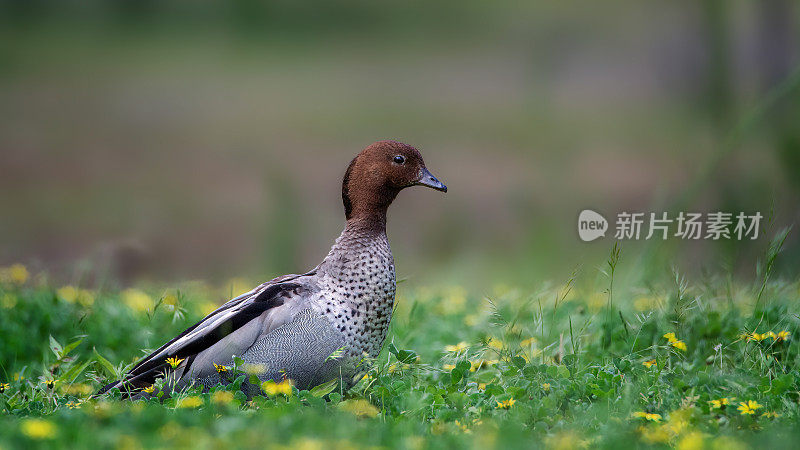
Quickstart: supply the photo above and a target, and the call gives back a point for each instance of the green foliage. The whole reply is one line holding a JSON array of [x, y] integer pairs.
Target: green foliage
[[561, 367]]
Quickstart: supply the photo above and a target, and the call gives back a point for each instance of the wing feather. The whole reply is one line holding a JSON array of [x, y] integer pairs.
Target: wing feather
[[223, 321]]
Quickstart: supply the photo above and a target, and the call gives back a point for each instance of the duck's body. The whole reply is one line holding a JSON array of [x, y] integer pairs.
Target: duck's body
[[314, 327], [329, 320]]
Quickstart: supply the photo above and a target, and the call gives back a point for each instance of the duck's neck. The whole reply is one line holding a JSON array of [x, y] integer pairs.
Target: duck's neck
[[365, 224], [359, 240]]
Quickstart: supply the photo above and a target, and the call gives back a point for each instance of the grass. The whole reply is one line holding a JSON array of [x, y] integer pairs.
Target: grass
[[707, 364]]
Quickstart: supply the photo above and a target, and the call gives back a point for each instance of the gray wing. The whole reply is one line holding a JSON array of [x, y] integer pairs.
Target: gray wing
[[309, 350], [229, 330]]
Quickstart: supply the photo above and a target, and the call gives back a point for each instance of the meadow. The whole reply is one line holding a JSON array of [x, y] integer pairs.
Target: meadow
[[147, 142], [595, 361]]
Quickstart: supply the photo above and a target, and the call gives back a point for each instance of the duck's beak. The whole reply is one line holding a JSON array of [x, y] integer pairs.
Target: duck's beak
[[427, 179]]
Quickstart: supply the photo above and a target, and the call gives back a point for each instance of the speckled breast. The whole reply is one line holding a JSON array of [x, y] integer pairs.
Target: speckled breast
[[357, 294]]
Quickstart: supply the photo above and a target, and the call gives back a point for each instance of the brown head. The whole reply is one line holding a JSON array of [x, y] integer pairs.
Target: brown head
[[377, 174]]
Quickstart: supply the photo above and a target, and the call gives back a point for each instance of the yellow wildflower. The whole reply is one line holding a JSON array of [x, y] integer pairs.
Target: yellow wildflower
[[85, 297], [222, 397], [254, 369], [496, 344], [170, 431], [674, 341], [596, 301], [8, 300], [680, 345], [719, 403], [563, 440], [71, 294], [771, 415], [191, 401], [174, 361], [456, 348], [644, 303], [19, 273], [171, 301], [649, 364], [647, 416], [691, 441], [757, 336], [748, 407], [393, 367], [68, 293], [783, 335], [359, 407], [449, 367], [481, 364], [463, 427], [49, 384], [16, 273], [471, 320], [38, 428], [149, 389], [272, 388], [127, 442], [654, 435], [73, 405], [219, 368], [506, 404], [529, 347], [453, 300], [546, 387], [137, 300], [4, 387], [482, 386]]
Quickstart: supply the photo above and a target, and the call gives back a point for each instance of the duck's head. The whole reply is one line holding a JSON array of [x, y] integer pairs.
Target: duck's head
[[377, 174]]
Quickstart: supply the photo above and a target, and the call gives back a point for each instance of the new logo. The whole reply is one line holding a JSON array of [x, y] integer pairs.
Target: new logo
[[591, 225]]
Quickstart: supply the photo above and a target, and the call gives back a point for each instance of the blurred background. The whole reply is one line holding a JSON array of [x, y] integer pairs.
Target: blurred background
[[205, 140]]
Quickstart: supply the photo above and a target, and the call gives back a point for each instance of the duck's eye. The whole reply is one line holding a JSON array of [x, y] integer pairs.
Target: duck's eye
[[399, 159]]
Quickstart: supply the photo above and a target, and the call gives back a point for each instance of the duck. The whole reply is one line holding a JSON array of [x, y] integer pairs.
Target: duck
[[322, 326]]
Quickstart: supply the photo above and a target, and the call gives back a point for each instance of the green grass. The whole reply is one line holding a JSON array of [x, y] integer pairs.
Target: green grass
[[560, 367]]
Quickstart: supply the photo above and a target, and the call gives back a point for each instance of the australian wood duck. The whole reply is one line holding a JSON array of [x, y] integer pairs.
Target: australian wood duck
[[310, 328]]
